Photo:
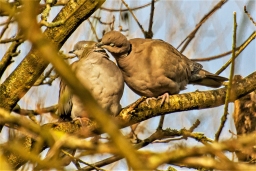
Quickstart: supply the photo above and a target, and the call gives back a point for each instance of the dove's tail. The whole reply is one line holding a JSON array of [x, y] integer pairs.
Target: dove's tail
[[205, 78]]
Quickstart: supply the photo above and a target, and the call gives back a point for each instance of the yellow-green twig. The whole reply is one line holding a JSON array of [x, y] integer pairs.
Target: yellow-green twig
[[242, 47], [224, 117]]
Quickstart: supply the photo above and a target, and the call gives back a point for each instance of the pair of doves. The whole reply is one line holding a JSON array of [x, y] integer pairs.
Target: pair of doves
[[150, 67]]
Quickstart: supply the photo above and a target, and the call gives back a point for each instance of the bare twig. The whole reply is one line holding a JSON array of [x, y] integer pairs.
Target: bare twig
[[203, 20], [50, 109], [110, 24], [102, 22], [213, 57], [6, 26], [122, 10], [161, 122], [81, 161], [149, 34], [250, 17], [93, 30], [242, 47], [135, 18], [42, 77], [194, 126], [45, 14], [224, 117], [7, 58], [185, 133], [6, 22], [19, 38]]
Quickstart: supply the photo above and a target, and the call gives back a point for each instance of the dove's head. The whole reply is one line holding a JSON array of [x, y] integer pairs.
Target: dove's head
[[83, 48], [116, 43]]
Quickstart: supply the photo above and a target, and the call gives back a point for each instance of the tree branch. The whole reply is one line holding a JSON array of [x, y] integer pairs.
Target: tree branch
[[232, 70], [7, 58]]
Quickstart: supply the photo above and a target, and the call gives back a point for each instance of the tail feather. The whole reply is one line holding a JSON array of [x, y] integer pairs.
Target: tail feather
[[206, 78]]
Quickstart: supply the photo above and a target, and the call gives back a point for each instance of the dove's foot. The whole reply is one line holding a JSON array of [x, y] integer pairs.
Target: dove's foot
[[164, 97], [150, 98], [78, 119], [82, 120]]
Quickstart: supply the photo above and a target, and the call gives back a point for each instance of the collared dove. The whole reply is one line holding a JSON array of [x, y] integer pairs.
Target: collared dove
[[100, 75], [154, 68]]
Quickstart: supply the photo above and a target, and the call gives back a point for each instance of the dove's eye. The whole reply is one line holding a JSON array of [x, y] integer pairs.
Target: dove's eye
[[112, 44], [85, 45]]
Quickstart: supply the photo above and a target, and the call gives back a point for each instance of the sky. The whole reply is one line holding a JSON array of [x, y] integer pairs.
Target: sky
[[173, 21]]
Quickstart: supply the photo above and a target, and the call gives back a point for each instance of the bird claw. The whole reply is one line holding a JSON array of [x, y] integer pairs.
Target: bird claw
[[81, 120], [164, 97], [150, 98]]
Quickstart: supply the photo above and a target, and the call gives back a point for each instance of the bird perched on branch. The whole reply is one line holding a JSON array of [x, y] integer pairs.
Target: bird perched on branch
[[97, 73], [154, 68]]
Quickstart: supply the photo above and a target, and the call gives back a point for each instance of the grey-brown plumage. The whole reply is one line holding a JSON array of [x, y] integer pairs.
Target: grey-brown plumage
[[100, 75], [153, 67]]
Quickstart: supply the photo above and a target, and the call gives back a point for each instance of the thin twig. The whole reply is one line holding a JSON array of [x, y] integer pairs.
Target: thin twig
[[50, 109], [250, 17], [102, 22], [242, 47], [93, 30], [6, 22], [11, 39], [161, 122], [213, 57], [185, 133], [135, 18], [42, 77], [11, 52], [6, 26], [81, 161], [195, 125], [224, 117], [51, 79], [122, 10], [45, 14], [203, 20], [149, 34]]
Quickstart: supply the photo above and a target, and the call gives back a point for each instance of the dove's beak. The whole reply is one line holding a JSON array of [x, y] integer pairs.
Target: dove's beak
[[98, 47], [99, 44], [72, 51]]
